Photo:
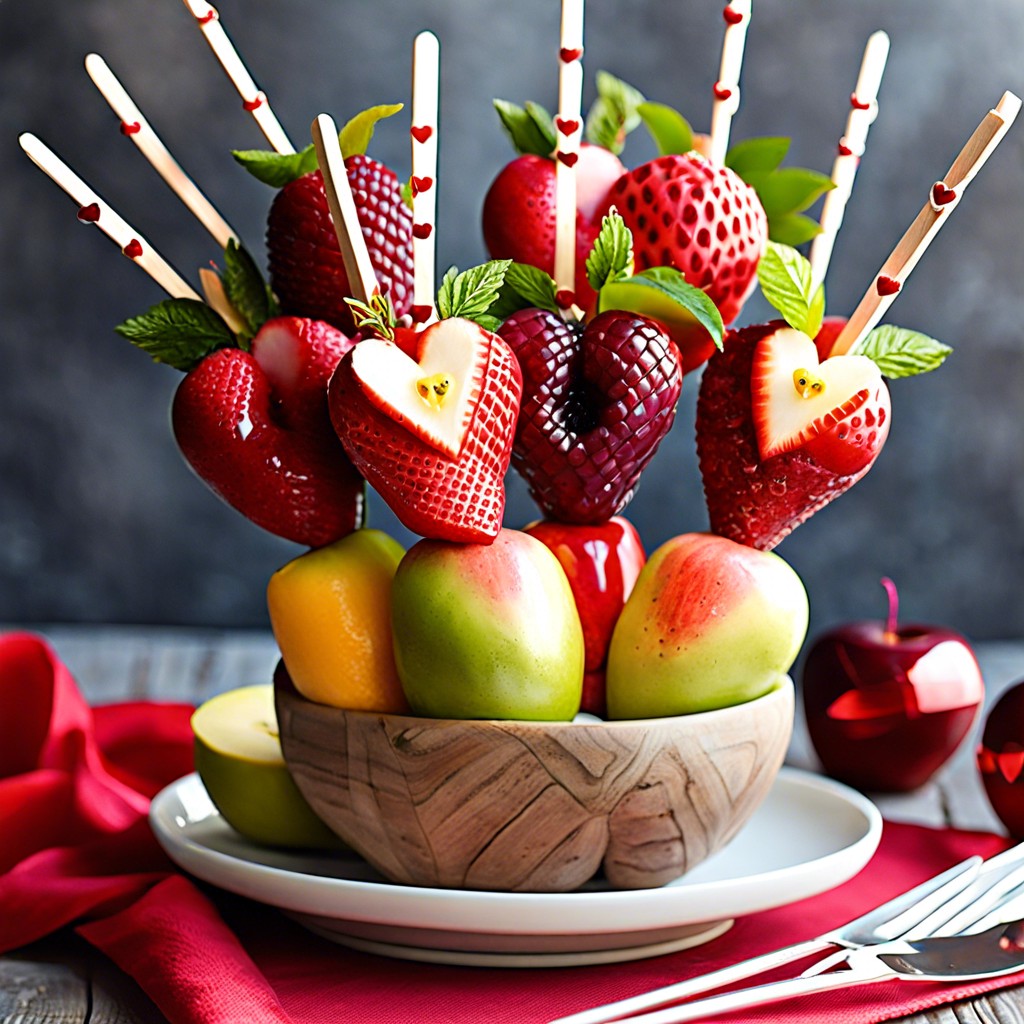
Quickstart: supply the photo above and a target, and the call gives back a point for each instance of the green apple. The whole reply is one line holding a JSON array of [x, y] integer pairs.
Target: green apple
[[710, 623], [487, 631], [238, 757]]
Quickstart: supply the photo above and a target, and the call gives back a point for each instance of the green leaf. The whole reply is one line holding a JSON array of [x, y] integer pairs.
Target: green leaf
[[532, 286], [178, 332], [276, 169], [757, 156], [816, 311], [406, 193], [669, 129], [245, 288], [899, 352], [613, 115], [791, 189], [792, 229], [530, 128], [612, 253], [671, 284], [471, 293], [358, 130], [785, 279], [376, 317], [488, 322]]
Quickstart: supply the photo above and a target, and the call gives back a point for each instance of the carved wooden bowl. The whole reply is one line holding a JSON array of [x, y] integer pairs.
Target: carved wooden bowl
[[534, 806]]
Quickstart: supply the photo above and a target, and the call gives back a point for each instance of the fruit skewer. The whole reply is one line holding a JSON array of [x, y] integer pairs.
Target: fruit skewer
[[943, 197], [135, 126], [254, 100], [863, 111], [569, 126], [727, 88], [94, 210], [423, 136]]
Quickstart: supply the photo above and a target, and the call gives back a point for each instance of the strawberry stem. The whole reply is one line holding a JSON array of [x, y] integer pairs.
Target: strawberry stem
[[894, 606]]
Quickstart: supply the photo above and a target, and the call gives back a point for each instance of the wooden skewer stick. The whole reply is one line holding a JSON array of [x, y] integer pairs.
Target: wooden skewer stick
[[942, 199], [568, 132], [253, 99], [361, 277], [138, 129], [423, 133], [863, 111], [727, 88], [92, 209]]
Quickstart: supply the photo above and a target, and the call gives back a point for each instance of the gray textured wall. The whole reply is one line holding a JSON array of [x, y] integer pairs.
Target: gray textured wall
[[101, 520]]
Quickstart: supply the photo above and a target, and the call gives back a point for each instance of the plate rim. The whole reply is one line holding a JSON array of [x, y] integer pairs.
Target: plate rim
[[517, 913]]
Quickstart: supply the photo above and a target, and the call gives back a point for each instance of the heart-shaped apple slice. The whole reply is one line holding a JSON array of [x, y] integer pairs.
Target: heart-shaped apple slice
[[434, 396], [796, 398]]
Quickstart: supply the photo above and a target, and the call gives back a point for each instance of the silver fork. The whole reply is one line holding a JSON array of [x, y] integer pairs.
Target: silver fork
[[937, 901]]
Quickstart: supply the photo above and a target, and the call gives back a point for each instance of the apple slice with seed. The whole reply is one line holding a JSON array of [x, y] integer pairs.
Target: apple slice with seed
[[436, 395], [796, 398]]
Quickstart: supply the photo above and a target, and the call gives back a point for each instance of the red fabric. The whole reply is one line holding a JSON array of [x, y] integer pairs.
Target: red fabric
[[75, 848]]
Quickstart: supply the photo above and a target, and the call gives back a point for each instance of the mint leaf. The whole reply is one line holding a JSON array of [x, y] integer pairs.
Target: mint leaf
[[612, 253], [613, 115], [671, 283], [471, 293], [355, 136], [899, 352], [488, 322], [816, 311], [276, 169], [530, 128], [178, 332], [785, 279], [792, 229], [791, 189], [532, 285], [669, 129], [757, 157], [245, 288]]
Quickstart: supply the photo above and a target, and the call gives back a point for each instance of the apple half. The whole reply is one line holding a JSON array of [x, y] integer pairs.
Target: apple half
[[238, 757]]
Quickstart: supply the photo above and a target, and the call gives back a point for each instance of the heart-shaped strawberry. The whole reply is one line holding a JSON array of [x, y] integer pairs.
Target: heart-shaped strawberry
[[599, 399], [254, 426], [401, 420], [817, 442]]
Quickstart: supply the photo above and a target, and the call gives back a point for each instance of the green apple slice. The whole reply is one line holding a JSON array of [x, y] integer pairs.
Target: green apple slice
[[238, 757]]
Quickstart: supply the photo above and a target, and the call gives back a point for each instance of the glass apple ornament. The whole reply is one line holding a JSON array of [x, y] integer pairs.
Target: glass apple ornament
[[887, 705], [1001, 759]]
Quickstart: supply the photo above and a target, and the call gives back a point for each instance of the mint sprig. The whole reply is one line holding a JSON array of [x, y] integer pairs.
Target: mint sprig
[[785, 279], [530, 127], [899, 352], [472, 293], [178, 332], [614, 114], [279, 169], [377, 317], [611, 256]]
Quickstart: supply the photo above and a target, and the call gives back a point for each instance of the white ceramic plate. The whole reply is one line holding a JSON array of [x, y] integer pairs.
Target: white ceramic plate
[[809, 835]]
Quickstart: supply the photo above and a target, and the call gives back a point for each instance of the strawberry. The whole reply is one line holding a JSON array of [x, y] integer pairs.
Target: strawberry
[[397, 432], [254, 426], [306, 267], [783, 426], [599, 399], [704, 220]]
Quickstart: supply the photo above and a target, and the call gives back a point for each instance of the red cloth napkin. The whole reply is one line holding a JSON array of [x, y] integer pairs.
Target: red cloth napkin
[[76, 849]]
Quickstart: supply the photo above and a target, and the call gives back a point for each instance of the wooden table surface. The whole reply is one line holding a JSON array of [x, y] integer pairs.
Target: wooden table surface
[[63, 980]]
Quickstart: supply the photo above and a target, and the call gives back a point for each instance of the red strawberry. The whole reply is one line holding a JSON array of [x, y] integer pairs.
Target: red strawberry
[[519, 211], [377, 388], [756, 499], [254, 426], [687, 212], [306, 268], [599, 399]]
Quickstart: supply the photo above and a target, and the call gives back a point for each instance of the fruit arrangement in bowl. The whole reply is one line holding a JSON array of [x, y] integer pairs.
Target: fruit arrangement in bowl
[[428, 702]]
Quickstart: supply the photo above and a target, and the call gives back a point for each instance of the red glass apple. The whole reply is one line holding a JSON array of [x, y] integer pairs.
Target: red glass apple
[[887, 705], [602, 562], [1001, 759]]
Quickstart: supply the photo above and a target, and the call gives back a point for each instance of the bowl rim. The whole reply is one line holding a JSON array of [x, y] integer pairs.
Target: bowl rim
[[782, 687]]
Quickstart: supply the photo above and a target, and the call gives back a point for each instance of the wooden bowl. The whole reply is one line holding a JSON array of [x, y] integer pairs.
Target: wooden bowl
[[534, 806]]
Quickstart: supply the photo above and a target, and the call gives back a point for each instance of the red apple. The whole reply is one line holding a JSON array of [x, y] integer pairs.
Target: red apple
[[886, 704], [1001, 759], [602, 562]]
